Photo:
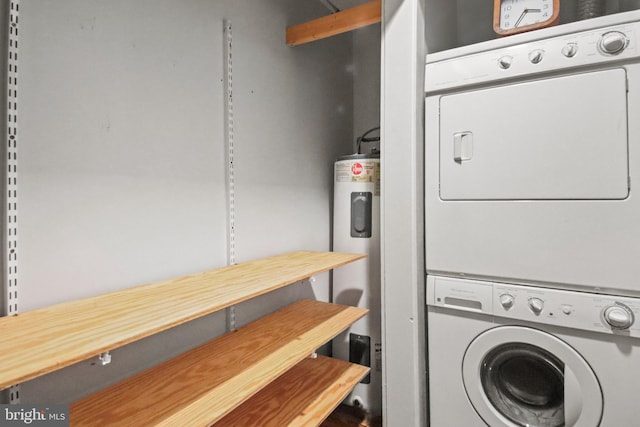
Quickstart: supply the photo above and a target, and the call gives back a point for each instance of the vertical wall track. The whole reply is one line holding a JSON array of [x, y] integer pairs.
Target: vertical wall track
[[229, 143], [11, 176]]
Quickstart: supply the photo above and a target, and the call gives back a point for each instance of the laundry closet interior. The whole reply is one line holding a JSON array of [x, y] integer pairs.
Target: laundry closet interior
[[169, 227], [152, 141]]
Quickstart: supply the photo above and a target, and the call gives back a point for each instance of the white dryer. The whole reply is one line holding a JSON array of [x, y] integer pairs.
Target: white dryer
[[532, 147], [508, 355]]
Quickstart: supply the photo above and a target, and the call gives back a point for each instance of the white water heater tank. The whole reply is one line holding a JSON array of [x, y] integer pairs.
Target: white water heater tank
[[356, 229]]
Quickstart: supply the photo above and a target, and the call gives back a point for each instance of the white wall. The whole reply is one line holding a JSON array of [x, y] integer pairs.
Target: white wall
[[121, 155], [403, 270], [295, 116], [121, 170]]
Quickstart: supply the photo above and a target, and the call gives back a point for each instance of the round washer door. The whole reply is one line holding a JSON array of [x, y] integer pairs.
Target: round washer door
[[524, 377]]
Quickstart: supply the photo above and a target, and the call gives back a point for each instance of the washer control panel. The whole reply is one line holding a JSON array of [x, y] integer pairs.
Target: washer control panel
[[572, 309], [599, 46]]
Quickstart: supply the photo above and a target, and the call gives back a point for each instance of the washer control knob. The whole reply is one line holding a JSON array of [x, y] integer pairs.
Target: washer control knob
[[536, 305], [535, 56], [618, 316], [507, 301], [570, 50], [505, 62], [613, 42]]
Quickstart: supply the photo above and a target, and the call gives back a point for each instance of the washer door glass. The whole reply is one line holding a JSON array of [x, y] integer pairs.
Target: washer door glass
[[518, 376], [525, 384]]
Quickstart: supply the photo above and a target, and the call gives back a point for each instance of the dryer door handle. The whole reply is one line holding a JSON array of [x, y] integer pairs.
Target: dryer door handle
[[572, 398], [462, 146]]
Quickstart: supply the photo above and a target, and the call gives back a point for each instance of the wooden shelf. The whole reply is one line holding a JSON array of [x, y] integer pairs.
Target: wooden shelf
[[348, 416], [337, 23], [304, 396], [42, 341], [201, 386]]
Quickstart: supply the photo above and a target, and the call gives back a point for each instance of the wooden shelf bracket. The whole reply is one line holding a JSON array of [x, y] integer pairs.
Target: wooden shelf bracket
[[337, 23]]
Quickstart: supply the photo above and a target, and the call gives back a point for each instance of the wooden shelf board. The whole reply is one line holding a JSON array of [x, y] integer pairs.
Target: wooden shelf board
[[202, 385], [304, 396], [41, 341], [337, 23], [348, 416]]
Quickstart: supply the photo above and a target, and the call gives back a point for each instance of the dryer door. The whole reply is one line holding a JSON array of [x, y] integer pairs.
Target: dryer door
[[519, 376], [563, 138]]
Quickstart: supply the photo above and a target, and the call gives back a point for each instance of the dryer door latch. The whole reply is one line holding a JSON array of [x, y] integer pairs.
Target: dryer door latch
[[462, 146]]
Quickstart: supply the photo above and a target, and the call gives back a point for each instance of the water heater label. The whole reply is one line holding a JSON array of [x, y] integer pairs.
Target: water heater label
[[359, 171], [343, 172]]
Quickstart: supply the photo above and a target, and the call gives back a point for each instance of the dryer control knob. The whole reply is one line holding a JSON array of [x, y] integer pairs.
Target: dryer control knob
[[536, 305], [570, 50], [618, 316], [613, 42], [506, 301], [535, 56], [505, 62]]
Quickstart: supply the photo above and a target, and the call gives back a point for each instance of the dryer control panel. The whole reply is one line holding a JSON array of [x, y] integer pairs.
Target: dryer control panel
[[571, 309], [603, 45]]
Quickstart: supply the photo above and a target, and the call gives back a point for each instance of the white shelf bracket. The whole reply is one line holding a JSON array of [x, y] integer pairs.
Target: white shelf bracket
[[10, 245], [105, 358], [230, 171]]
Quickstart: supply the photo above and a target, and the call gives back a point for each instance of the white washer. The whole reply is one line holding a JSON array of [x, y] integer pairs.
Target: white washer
[[509, 355], [533, 158]]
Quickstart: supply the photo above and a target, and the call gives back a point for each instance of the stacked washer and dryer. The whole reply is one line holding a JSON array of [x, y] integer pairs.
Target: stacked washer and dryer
[[532, 222]]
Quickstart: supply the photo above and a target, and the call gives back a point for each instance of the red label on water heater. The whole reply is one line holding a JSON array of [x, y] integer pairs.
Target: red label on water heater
[[356, 168]]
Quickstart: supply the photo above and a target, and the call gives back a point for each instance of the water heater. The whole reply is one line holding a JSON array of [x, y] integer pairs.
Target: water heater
[[356, 228]]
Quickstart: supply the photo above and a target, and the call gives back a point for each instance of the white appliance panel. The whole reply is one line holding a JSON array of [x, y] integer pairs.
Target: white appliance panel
[[539, 225], [610, 354], [554, 49], [558, 138]]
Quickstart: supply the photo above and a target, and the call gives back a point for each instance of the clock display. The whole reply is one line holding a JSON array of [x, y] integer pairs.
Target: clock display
[[520, 13], [514, 16]]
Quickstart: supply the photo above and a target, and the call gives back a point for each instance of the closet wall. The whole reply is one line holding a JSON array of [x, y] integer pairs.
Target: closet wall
[[366, 89], [403, 296], [122, 155]]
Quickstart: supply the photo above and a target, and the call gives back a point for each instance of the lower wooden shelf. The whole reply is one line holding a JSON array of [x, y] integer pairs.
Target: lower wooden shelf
[[304, 396], [348, 416], [203, 385]]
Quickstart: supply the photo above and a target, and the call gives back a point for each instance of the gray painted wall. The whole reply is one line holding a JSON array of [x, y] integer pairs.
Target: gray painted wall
[[122, 155], [366, 60]]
